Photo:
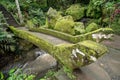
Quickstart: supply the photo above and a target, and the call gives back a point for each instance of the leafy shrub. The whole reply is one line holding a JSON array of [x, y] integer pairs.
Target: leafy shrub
[[37, 17], [5, 37], [49, 74], [17, 76], [76, 11]]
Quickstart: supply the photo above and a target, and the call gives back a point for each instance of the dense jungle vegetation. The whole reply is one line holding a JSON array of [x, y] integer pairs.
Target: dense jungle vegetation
[[74, 17]]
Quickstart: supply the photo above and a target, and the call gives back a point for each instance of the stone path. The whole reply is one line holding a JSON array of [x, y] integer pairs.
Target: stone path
[[114, 43], [48, 38], [105, 68]]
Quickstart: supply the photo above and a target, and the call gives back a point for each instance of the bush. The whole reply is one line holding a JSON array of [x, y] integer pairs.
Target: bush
[[76, 11], [17, 76], [37, 17], [6, 39]]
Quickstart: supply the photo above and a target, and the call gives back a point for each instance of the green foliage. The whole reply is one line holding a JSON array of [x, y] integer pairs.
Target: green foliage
[[59, 4], [110, 6], [76, 11], [94, 9], [91, 27], [5, 37], [49, 74], [69, 73], [12, 75], [1, 76], [37, 17], [97, 2], [10, 5], [30, 24], [116, 25]]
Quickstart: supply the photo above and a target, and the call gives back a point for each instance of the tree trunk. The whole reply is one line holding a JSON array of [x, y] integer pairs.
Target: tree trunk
[[19, 12]]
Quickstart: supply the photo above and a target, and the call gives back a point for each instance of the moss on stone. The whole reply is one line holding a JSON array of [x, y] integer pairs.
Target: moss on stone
[[33, 39], [30, 24], [91, 27], [88, 48], [70, 38], [65, 24], [55, 33], [64, 52], [52, 16], [79, 28], [76, 11]]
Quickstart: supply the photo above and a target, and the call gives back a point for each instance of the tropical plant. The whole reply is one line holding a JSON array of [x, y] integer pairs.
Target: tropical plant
[[37, 17], [1, 76], [69, 73], [5, 37], [12, 75], [49, 74]]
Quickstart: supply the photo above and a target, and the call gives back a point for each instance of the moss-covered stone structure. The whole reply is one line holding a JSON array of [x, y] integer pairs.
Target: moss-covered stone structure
[[77, 52], [68, 54], [71, 38]]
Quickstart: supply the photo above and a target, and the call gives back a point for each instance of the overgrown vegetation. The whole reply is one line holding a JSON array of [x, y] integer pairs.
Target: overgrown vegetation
[[6, 39], [19, 75]]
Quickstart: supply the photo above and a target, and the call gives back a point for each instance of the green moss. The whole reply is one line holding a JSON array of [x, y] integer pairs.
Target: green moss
[[33, 39], [89, 48], [64, 52], [76, 11], [52, 16], [91, 27], [70, 38], [99, 48], [55, 33], [30, 24], [65, 24], [79, 28]]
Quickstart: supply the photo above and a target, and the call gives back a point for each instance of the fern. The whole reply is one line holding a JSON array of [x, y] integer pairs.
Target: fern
[[6, 40]]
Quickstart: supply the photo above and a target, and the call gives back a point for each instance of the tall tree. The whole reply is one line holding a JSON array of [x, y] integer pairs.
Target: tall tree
[[19, 11]]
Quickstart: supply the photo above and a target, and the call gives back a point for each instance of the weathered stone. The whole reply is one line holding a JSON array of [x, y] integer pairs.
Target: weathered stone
[[94, 72], [40, 64], [33, 54], [24, 45], [69, 55], [76, 11]]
